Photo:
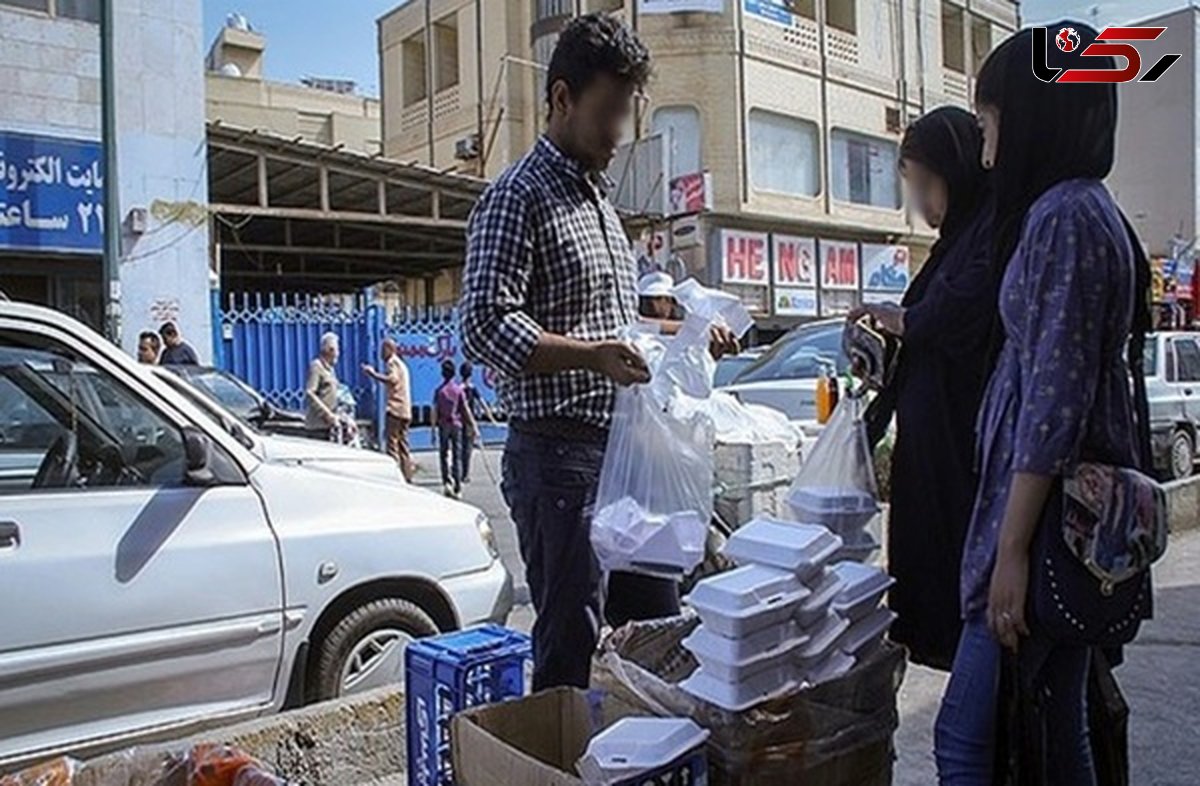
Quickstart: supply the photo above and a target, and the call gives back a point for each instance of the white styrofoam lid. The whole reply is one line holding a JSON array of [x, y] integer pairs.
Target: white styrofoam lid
[[866, 630], [738, 696], [824, 591], [862, 582], [743, 652], [636, 745], [743, 591], [782, 544], [830, 499], [824, 637], [837, 664]]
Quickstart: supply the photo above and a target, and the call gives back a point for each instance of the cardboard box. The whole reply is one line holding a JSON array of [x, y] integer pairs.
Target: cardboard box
[[533, 741]]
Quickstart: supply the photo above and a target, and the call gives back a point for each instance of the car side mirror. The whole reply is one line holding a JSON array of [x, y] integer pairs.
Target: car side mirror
[[266, 411], [196, 453]]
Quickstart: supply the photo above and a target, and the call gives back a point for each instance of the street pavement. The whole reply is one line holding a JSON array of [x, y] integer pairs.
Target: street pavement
[[1161, 676]]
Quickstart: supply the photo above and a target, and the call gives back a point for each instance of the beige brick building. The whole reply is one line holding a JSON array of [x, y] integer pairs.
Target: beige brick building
[[781, 121]]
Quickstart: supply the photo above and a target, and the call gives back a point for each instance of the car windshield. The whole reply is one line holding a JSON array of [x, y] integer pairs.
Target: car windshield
[[730, 368], [229, 391], [206, 403], [800, 354]]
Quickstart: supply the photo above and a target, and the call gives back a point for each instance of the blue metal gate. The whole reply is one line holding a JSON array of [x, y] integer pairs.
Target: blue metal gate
[[269, 340]]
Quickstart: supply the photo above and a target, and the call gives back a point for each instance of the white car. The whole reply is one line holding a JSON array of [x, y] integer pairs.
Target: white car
[[160, 575], [1172, 368]]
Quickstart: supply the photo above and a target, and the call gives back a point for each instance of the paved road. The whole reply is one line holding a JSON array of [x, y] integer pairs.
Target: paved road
[[1161, 677]]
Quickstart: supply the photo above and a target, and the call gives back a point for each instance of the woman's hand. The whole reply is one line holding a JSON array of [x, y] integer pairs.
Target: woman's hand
[[1006, 600], [889, 316]]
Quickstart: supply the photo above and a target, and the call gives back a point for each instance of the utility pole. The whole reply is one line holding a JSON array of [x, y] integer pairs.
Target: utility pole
[[112, 208]]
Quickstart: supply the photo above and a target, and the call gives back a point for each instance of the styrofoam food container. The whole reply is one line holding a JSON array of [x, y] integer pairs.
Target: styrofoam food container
[[738, 696], [865, 585], [801, 548], [747, 599], [836, 664], [823, 639], [736, 660], [843, 510], [824, 590], [633, 747], [863, 552], [866, 632]]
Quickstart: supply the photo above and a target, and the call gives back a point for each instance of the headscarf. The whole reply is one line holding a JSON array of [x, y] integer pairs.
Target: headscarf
[[1051, 132]]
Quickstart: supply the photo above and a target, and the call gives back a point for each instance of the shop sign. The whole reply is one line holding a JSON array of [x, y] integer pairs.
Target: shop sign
[[51, 193], [839, 265], [744, 258], [777, 11], [885, 268], [795, 302], [681, 6], [691, 193], [794, 260]]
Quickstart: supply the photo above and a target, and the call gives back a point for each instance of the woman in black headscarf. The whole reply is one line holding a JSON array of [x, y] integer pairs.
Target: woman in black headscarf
[[944, 321], [1073, 310]]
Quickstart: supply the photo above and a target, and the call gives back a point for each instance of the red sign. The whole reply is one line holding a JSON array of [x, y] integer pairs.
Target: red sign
[[744, 258], [795, 261], [690, 193], [1067, 40], [839, 265]]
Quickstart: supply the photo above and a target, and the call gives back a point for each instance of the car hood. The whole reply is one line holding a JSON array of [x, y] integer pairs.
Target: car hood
[[329, 457], [796, 398]]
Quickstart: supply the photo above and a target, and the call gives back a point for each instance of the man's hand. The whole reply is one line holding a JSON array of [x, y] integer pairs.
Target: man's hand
[[618, 361], [366, 369], [722, 342], [889, 316]]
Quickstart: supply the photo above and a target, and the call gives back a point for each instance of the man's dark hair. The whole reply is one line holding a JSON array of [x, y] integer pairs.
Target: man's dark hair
[[148, 335], [447, 370], [596, 44], [466, 370], [168, 329]]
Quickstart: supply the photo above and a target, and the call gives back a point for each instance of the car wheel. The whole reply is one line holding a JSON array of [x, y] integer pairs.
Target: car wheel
[[1183, 456], [366, 649]]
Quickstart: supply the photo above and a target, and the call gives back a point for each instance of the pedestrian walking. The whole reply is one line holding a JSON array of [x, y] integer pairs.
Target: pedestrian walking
[[1073, 310], [549, 288], [945, 321], [397, 393], [475, 404], [453, 422], [176, 351], [321, 390], [148, 348]]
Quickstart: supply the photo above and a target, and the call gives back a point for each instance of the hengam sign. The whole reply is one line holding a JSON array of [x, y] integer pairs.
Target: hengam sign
[[51, 193]]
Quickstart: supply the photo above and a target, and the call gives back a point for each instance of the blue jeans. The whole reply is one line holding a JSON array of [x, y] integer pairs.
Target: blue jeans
[[550, 487], [965, 733], [450, 451], [468, 445]]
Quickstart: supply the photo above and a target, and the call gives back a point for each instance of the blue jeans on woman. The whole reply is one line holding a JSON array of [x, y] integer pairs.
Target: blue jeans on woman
[[965, 735]]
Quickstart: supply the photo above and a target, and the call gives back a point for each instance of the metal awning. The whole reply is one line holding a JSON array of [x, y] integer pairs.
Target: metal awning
[[294, 215]]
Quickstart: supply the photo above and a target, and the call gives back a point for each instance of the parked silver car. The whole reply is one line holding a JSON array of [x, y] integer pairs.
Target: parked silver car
[[1173, 388]]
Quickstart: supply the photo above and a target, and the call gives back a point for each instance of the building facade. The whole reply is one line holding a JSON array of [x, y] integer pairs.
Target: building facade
[[325, 111], [780, 121], [51, 235]]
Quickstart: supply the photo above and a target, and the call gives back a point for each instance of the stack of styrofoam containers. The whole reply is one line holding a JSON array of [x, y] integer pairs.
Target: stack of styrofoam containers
[[860, 603], [850, 514], [754, 478], [768, 626]]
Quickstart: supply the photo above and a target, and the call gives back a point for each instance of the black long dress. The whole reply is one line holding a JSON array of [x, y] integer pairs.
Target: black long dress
[[936, 394]]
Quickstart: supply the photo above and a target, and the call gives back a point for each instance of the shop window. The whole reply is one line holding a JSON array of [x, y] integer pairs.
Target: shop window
[[981, 41], [842, 15], [784, 154], [29, 5], [413, 68], [550, 9], [445, 41], [83, 10], [953, 56], [864, 170], [683, 123]]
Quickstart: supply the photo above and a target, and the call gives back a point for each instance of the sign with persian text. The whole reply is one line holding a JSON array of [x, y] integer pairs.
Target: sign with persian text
[[51, 193]]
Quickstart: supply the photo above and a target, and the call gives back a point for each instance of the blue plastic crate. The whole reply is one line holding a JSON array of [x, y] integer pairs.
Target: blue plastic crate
[[448, 673]]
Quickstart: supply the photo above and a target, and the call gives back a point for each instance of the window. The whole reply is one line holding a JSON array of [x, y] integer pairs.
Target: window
[[550, 9], [413, 68], [804, 8], [83, 10], [683, 125], [802, 354], [66, 424], [842, 15], [1150, 357], [29, 5], [981, 41], [864, 170], [784, 154], [1188, 354], [445, 42], [953, 56]]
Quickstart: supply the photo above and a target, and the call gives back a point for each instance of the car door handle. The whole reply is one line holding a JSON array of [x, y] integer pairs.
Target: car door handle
[[10, 535]]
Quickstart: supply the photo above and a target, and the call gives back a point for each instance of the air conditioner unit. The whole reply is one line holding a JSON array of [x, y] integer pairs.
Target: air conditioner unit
[[467, 148]]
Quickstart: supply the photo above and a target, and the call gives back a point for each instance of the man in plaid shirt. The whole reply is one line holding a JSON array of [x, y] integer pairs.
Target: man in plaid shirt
[[548, 288]]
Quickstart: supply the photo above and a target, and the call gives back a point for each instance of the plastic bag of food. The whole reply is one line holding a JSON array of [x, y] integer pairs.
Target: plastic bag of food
[[56, 772]]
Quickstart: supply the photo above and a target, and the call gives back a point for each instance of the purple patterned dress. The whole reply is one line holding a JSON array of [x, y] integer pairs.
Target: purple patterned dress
[[1061, 391]]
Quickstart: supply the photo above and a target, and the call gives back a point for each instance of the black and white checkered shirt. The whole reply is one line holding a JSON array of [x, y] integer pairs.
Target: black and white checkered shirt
[[546, 252]]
